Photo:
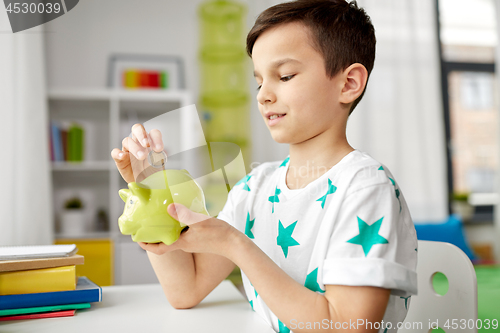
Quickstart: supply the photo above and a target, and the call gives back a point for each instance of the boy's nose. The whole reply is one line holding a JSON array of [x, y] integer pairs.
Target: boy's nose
[[265, 95]]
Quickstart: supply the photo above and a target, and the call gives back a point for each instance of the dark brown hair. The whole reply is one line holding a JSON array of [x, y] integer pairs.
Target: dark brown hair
[[341, 32]]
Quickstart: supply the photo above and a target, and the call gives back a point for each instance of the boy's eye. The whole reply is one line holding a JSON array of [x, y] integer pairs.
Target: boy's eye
[[287, 78], [284, 79]]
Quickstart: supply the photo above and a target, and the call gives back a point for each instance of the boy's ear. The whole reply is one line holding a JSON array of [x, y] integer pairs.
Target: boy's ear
[[355, 77]]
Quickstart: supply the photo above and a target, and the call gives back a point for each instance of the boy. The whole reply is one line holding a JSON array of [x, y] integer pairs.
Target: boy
[[324, 239]]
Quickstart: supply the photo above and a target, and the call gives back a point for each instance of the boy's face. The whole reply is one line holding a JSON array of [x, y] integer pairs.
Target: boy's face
[[298, 89]]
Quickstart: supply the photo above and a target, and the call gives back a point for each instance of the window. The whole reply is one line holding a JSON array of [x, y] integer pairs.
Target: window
[[467, 32]]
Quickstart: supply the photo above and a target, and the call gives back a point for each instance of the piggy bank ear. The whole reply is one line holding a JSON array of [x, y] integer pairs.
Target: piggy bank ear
[[141, 192], [124, 194]]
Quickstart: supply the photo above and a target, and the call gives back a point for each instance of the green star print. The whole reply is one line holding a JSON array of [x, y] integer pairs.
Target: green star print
[[406, 301], [244, 180], [331, 189], [368, 235], [255, 290], [282, 327], [285, 239], [285, 162], [274, 198], [251, 304], [312, 281], [397, 192], [249, 226]]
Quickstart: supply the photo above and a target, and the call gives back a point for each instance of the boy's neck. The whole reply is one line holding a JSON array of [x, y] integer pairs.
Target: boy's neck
[[311, 159]]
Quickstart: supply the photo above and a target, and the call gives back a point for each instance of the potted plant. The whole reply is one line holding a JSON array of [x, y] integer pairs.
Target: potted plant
[[461, 206], [73, 218]]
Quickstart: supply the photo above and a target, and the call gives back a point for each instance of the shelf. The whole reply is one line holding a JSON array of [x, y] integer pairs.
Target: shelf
[[108, 94], [107, 116], [152, 95], [86, 235], [83, 166]]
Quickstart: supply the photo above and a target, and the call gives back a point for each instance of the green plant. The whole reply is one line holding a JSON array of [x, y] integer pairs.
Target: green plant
[[73, 203], [460, 196]]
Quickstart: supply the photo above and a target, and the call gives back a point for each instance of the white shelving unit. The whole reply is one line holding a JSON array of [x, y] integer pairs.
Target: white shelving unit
[[107, 116]]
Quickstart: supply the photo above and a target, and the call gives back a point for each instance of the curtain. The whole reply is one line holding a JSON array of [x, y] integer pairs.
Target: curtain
[[400, 120], [25, 196]]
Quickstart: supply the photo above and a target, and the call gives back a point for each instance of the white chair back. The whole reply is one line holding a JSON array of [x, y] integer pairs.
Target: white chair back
[[456, 311]]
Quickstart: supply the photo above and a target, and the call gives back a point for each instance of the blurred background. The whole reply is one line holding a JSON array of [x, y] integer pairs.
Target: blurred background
[[71, 89]]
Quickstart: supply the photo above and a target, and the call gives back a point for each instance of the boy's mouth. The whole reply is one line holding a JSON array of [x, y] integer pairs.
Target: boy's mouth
[[275, 119], [274, 116]]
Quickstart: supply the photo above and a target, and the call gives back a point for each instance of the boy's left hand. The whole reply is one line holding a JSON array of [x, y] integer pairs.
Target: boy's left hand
[[205, 234]]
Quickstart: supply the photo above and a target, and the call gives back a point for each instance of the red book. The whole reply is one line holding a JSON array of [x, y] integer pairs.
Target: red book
[[154, 79], [149, 79], [65, 313], [64, 140], [142, 79]]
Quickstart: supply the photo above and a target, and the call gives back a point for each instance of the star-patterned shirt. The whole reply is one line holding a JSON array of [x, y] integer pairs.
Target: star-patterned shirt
[[351, 226]]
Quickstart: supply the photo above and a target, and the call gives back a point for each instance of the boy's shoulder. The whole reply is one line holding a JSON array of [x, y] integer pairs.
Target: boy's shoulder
[[362, 171]]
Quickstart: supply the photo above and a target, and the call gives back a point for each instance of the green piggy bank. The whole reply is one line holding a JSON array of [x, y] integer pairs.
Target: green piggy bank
[[145, 215]]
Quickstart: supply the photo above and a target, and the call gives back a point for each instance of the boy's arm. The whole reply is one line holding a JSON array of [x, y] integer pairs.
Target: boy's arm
[[187, 278], [296, 306]]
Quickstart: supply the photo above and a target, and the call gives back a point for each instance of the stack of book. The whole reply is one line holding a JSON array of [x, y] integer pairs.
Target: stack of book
[[66, 142], [134, 79], [41, 282]]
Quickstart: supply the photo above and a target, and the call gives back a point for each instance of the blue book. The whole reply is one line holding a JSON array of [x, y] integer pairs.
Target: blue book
[[86, 292], [57, 143]]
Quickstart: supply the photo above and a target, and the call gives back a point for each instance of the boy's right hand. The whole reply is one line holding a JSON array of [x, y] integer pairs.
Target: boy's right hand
[[132, 158]]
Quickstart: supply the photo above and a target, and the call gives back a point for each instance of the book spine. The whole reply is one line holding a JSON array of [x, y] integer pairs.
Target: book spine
[[55, 314], [75, 138], [92, 293], [56, 141], [39, 309], [38, 280], [65, 147], [164, 80], [130, 79]]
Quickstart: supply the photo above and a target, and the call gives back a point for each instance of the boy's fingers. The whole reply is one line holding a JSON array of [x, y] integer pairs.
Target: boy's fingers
[[157, 248], [118, 155], [130, 145], [156, 140], [182, 214], [140, 134]]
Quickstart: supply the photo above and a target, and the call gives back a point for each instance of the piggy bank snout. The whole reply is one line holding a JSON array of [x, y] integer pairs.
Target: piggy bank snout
[[128, 226]]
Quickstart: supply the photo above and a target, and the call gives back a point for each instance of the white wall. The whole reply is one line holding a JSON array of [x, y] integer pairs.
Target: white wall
[[79, 43]]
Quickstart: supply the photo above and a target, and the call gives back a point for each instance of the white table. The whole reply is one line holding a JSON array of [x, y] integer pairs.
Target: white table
[[145, 309]]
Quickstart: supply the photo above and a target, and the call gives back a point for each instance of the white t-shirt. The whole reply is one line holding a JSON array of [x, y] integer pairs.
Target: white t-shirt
[[351, 226]]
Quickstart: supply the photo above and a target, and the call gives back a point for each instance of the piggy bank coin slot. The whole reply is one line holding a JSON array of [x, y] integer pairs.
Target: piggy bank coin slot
[[157, 160]]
